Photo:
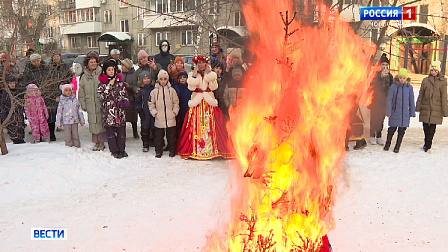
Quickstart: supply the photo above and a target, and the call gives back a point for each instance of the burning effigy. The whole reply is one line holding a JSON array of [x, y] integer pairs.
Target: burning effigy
[[289, 131]]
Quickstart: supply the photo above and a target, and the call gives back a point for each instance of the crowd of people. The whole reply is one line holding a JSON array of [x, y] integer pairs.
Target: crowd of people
[[394, 97], [189, 110]]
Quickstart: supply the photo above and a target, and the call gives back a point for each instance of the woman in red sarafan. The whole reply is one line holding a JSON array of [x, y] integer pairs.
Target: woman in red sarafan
[[203, 134]]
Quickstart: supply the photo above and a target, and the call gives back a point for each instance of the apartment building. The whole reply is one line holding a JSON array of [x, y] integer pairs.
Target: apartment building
[[80, 25]]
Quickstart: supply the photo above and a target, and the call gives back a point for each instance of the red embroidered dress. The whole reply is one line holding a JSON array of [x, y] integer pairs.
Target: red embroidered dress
[[203, 135]]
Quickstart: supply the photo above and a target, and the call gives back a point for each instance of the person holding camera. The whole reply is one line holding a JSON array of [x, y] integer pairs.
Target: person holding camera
[[380, 88]]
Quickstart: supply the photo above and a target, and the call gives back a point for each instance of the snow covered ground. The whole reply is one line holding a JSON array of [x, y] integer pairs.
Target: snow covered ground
[[385, 202]]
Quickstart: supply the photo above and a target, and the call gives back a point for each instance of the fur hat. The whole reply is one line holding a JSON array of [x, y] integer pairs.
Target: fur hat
[[163, 73], [182, 73], [127, 63], [64, 86], [235, 53], [145, 74], [141, 54], [403, 72], [436, 65], [10, 78], [384, 59], [35, 57], [179, 59], [109, 63]]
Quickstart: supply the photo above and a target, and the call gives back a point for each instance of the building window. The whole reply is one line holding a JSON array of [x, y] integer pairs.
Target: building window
[[70, 17], [140, 13], [214, 7], [162, 6], [91, 42], [189, 37], [374, 35], [141, 39], [161, 36], [176, 6], [123, 3], [75, 42], [81, 15], [239, 19], [49, 10], [124, 26], [108, 16], [423, 14], [50, 32]]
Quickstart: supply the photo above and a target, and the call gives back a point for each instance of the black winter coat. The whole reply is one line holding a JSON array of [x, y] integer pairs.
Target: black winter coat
[[164, 58], [141, 105], [131, 113]]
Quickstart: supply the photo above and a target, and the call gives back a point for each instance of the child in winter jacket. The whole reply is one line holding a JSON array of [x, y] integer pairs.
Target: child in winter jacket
[[69, 114], [37, 113], [113, 101], [164, 106], [400, 107], [16, 123], [141, 105], [184, 95]]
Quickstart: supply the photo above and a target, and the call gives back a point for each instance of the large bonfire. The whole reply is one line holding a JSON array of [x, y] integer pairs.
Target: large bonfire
[[289, 131]]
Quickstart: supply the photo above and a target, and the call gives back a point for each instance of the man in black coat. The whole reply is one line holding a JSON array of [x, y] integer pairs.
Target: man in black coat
[[164, 58]]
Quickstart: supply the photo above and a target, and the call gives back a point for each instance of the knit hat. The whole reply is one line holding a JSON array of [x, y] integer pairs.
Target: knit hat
[[179, 59], [141, 54], [93, 53], [35, 57], [145, 74], [127, 63], [64, 86], [30, 88], [182, 73], [237, 71], [403, 72], [436, 65], [163, 73], [384, 59]]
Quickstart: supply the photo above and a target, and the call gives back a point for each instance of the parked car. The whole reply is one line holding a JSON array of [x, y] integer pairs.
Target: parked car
[[188, 62]]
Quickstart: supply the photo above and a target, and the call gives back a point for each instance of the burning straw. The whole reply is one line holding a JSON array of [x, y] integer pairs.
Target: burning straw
[[289, 130]]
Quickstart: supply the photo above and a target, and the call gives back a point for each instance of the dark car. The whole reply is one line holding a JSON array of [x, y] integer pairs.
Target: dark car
[[67, 58]]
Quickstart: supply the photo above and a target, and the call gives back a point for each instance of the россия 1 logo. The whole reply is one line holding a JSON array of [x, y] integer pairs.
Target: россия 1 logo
[[387, 13]]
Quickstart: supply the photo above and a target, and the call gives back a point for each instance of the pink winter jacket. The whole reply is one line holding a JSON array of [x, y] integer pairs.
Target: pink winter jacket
[[35, 109]]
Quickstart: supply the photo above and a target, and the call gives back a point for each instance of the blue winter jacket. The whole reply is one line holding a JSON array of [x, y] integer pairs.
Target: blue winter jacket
[[400, 104], [141, 103], [184, 95]]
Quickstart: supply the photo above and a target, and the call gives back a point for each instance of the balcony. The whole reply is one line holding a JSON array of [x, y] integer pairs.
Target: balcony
[[87, 4], [160, 21], [81, 27]]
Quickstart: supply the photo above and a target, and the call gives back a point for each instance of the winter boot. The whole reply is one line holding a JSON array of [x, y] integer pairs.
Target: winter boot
[[158, 155], [134, 130], [172, 154], [399, 139], [390, 134], [117, 154], [101, 146], [372, 141], [124, 154], [360, 144], [96, 147], [45, 139]]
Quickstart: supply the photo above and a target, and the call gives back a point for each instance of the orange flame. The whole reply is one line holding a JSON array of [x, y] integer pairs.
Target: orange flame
[[289, 130]]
